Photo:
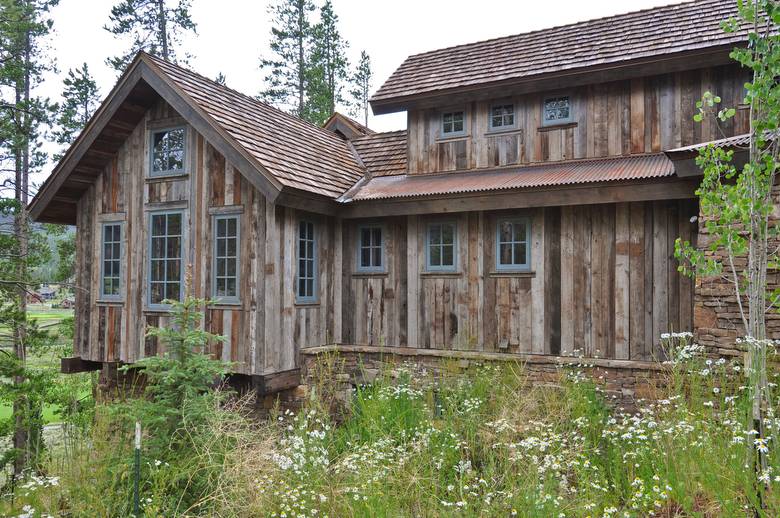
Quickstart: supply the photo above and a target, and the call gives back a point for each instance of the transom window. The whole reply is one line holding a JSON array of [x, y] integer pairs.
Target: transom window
[[165, 256], [371, 249], [512, 244], [226, 268], [453, 123], [442, 238], [112, 257], [307, 263], [168, 152], [502, 116], [557, 110]]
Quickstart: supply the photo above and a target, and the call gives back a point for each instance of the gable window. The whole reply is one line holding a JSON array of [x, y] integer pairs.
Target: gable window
[[225, 265], [512, 244], [371, 249], [441, 245], [307, 263], [556, 110], [111, 267], [167, 152], [502, 116], [165, 256], [453, 123]]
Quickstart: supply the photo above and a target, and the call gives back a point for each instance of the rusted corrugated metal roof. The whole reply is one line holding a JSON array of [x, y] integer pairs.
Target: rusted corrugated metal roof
[[540, 175], [642, 34], [729, 142], [383, 153]]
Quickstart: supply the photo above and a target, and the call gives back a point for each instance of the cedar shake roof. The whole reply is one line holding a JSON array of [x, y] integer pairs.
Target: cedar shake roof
[[570, 172], [382, 154], [299, 154], [613, 40]]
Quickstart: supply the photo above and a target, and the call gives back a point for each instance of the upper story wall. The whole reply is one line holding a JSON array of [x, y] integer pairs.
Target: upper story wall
[[642, 115]]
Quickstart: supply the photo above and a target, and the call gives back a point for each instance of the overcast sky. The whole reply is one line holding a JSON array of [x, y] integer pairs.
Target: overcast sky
[[233, 34]]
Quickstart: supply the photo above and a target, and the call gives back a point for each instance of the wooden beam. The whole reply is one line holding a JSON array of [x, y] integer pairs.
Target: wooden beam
[[75, 364]]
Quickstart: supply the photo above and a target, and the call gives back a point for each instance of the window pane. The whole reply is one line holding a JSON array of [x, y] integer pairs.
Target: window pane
[[231, 267], [520, 232], [220, 247], [156, 294], [174, 224], [505, 232], [434, 234], [173, 271], [173, 247], [435, 255], [520, 250], [158, 225], [221, 227], [505, 254], [231, 247], [448, 256], [497, 121], [376, 257], [173, 291], [230, 289], [301, 287], [448, 234], [377, 241], [457, 126]]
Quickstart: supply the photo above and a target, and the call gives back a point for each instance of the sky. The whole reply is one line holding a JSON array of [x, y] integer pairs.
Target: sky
[[233, 34]]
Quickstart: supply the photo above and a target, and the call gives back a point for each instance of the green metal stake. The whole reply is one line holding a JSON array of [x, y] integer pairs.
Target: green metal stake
[[137, 478]]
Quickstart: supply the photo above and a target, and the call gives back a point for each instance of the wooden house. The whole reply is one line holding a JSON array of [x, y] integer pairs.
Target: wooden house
[[530, 208]]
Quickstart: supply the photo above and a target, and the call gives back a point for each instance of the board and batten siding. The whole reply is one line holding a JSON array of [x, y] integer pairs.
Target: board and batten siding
[[264, 331], [643, 115]]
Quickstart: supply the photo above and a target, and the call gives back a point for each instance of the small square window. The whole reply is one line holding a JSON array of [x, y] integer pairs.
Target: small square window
[[513, 237], [502, 116], [453, 123], [441, 247], [167, 153], [371, 249], [556, 110]]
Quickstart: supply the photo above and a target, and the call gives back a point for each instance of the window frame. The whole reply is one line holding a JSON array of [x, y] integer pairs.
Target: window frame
[[461, 133], [441, 268], [314, 297], [103, 295], [382, 253], [172, 172], [513, 267], [558, 122], [221, 299], [182, 250], [491, 127]]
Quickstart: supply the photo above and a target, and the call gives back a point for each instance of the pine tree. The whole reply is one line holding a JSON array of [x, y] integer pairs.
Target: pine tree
[[80, 100], [360, 86], [155, 28], [24, 25], [328, 70], [221, 79], [291, 41]]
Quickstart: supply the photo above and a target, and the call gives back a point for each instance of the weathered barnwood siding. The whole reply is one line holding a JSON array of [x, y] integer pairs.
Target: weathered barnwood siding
[[603, 283], [264, 331], [641, 115]]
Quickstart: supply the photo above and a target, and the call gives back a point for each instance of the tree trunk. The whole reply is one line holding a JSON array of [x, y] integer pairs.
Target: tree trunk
[[163, 28], [301, 64]]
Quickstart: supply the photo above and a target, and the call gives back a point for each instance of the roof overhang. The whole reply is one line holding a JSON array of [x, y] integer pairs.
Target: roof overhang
[[137, 89], [651, 65], [684, 158]]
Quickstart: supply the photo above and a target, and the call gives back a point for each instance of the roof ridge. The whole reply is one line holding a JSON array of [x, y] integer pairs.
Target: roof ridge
[[683, 4]]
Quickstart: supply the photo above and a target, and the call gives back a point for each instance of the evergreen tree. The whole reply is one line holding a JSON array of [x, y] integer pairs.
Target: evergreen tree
[[291, 42], [80, 100], [360, 86], [155, 28], [24, 25], [328, 69], [221, 79]]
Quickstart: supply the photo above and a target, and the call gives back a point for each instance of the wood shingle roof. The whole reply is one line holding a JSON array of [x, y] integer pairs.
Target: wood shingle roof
[[383, 154]]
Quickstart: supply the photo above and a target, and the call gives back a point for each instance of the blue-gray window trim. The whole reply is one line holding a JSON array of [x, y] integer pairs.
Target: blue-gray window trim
[[222, 299], [371, 269], [120, 260], [558, 121], [503, 126], [513, 267], [313, 298], [460, 133], [182, 249], [441, 268], [172, 172]]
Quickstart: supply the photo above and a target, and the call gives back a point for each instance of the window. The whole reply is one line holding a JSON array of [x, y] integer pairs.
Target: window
[[502, 116], [556, 110], [307, 263], [512, 244], [453, 123], [112, 260], [225, 263], [371, 249], [165, 256], [167, 152], [441, 247]]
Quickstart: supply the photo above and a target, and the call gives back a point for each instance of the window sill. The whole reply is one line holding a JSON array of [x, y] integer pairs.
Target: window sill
[[312, 304], [512, 273], [444, 273], [551, 127], [110, 302], [227, 305], [452, 138], [166, 177], [369, 274], [502, 131]]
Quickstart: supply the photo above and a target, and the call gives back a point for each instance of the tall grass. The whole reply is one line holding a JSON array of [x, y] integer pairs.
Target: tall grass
[[484, 443]]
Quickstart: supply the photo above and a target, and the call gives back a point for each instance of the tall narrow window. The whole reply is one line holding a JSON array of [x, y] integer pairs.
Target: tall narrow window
[[226, 259], [453, 123], [512, 240], [502, 116], [556, 110], [307, 263], [165, 256], [371, 249], [441, 247], [167, 152], [111, 261]]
